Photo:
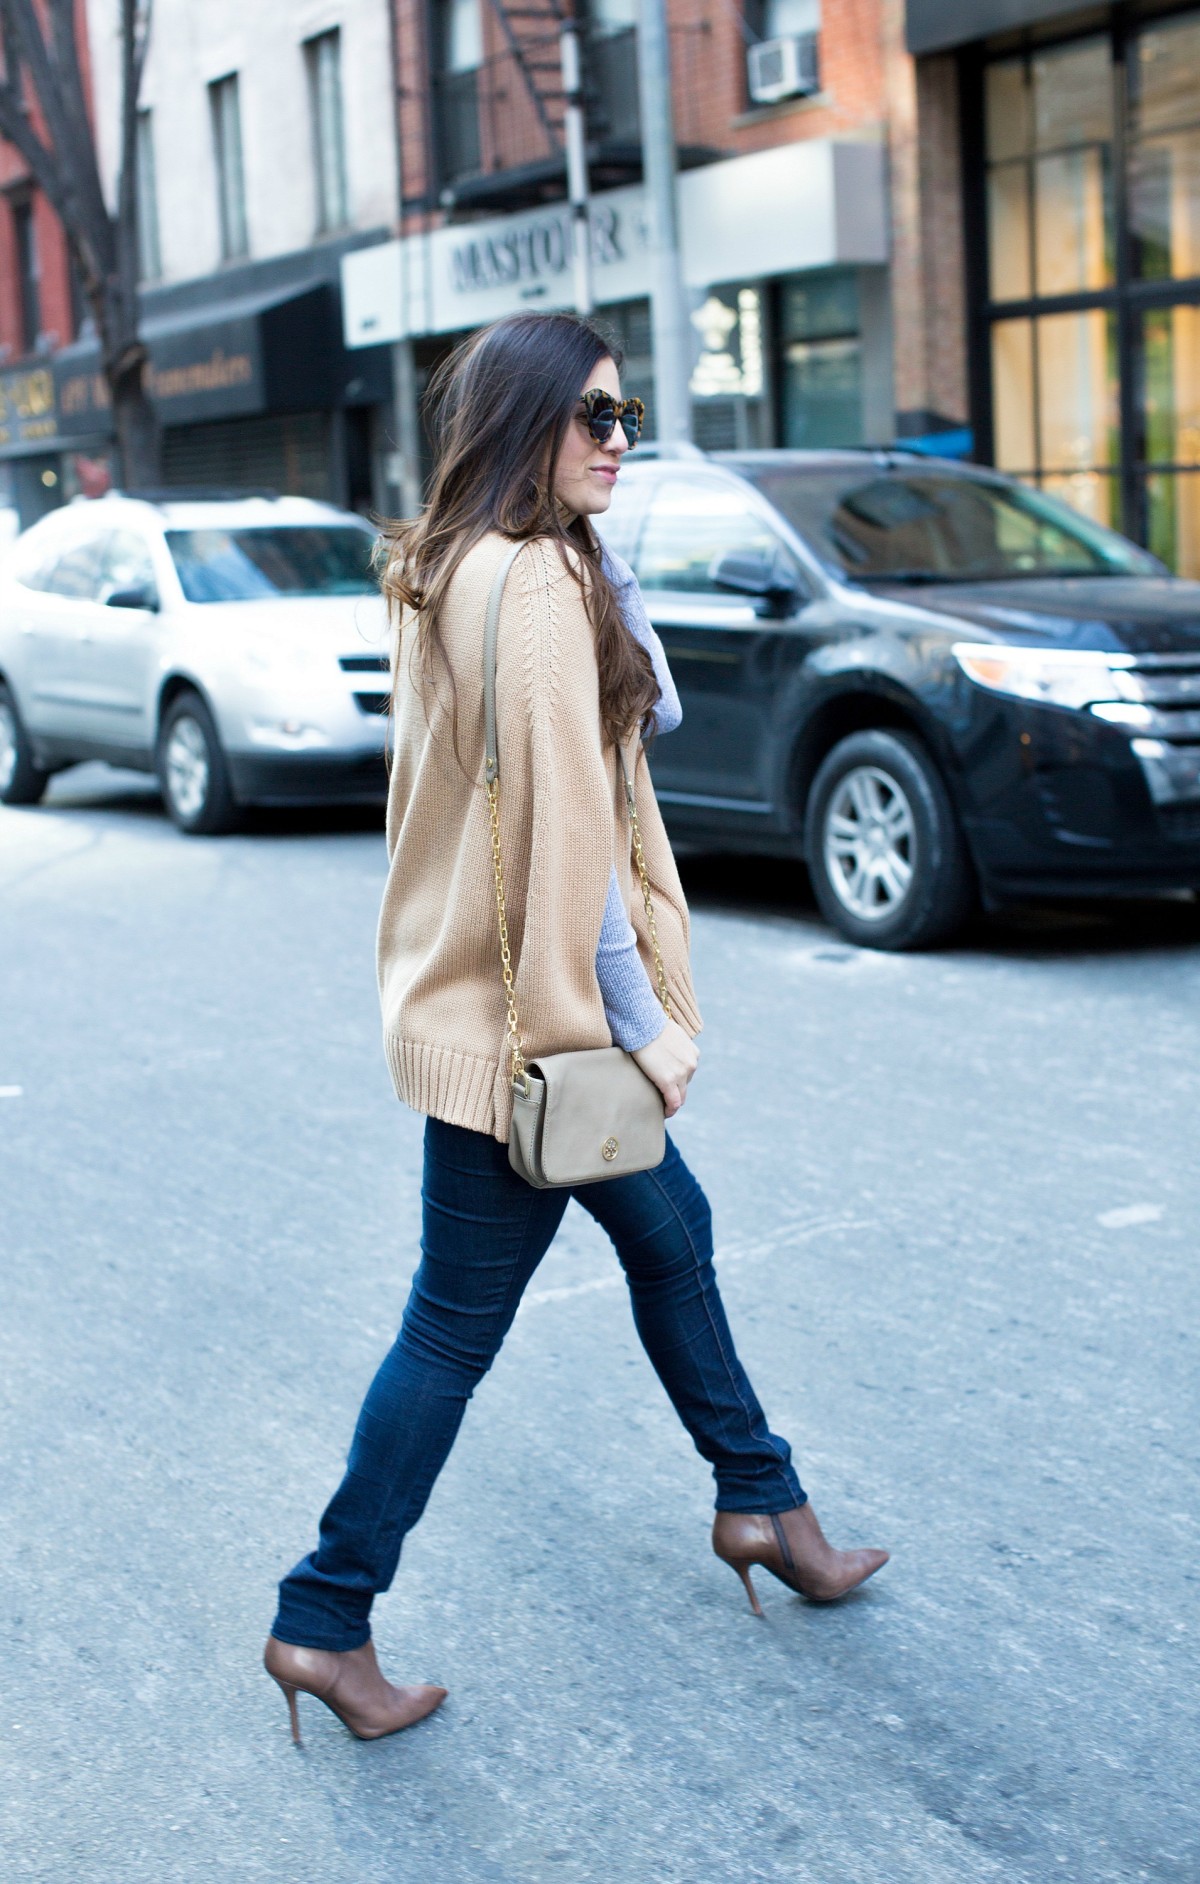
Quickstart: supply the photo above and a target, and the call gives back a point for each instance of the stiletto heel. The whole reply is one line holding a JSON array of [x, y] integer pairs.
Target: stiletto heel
[[743, 1570], [351, 1686], [289, 1695], [792, 1546]]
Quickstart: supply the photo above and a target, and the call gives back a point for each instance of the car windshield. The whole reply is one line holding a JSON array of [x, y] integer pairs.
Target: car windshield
[[248, 565], [930, 526]]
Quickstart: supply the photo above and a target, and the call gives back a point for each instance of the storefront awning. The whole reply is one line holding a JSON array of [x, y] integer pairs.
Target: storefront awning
[[223, 359], [938, 25]]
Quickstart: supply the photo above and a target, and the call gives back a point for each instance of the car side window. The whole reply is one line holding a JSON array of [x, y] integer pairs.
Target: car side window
[[127, 564], [77, 572], [33, 559], [691, 524]]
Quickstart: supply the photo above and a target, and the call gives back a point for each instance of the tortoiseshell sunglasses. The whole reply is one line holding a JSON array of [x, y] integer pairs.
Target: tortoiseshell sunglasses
[[602, 414]]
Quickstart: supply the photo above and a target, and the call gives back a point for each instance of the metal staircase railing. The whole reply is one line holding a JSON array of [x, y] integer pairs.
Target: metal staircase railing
[[531, 35]]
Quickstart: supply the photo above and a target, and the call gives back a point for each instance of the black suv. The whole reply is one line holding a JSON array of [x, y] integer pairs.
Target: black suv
[[927, 680]]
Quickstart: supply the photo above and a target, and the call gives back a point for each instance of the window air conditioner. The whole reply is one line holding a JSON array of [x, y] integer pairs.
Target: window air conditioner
[[783, 68]]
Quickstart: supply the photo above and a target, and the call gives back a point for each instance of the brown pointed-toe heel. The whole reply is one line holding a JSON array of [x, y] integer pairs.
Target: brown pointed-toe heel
[[792, 1546], [351, 1686]]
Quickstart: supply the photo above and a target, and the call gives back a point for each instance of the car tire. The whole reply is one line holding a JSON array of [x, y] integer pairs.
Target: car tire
[[192, 769], [22, 781], [887, 859]]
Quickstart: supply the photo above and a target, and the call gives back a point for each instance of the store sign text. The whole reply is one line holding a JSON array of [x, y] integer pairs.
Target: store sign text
[[528, 255], [27, 406]]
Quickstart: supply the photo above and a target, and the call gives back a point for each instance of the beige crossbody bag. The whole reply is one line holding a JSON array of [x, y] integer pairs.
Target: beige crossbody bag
[[577, 1117]]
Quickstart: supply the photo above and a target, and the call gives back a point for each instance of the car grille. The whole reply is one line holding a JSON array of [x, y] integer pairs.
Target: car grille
[[1169, 684], [364, 664], [373, 702]]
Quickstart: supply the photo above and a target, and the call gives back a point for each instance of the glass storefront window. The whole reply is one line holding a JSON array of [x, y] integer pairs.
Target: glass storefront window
[[822, 360], [1054, 393], [1077, 390], [1013, 396], [1073, 95], [1169, 404], [1170, 386], [1010, 268], [1052, 202], [1164, 164], [1049, 143], [1173, 519], [1073, 221]]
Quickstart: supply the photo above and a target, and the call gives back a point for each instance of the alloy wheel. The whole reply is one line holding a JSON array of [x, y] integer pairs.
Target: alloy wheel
[[188, 767], [870, 843]]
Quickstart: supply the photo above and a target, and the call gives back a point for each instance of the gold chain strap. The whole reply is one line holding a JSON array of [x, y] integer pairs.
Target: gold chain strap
[[513, 1036], [519, 1076]]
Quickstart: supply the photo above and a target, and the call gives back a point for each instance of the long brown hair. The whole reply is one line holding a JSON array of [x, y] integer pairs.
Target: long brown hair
[[498, 410]]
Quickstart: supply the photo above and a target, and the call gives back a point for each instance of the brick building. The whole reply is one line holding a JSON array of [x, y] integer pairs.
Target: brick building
[[783, 201], [39, 312]]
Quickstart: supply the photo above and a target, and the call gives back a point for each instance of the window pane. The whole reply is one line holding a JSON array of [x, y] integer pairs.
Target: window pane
[[149, 259], [1077, 391], [1170, 388], [1008, 233], [822, 393], [127, 563], [325, 93], [227, 144], [1073, 220], [461, 35], [1164, 205], [689, 527], [245, 565], [1072, 95], [1007, 109], [1173, 520], [1165, 76], [1012, 395], [77, 572]]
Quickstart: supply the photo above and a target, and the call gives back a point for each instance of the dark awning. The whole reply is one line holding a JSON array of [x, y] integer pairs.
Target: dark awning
[[937, 25], [259, 353]]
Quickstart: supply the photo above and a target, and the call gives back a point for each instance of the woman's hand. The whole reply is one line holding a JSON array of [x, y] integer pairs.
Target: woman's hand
[[670, 1062]]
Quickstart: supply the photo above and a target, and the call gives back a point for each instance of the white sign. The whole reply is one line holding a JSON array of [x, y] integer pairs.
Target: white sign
[[774, 212]]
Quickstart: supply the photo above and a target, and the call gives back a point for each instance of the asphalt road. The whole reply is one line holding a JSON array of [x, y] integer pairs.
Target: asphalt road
[[956, 1200]]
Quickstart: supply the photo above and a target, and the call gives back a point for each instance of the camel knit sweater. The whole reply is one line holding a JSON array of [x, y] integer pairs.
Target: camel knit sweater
[[563, 827]]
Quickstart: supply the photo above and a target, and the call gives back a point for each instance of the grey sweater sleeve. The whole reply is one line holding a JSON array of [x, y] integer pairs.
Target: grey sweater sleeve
[[631, 1007], [634, 1013]]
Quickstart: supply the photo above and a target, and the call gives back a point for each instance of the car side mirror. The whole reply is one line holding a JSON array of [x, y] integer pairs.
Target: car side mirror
[[137, 595], [768, 578]]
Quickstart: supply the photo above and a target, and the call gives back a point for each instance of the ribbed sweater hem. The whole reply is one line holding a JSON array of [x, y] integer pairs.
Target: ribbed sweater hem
[[445, 1084]]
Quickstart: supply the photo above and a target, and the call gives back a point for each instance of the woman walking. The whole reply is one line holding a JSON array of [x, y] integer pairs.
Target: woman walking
[[531, 428]]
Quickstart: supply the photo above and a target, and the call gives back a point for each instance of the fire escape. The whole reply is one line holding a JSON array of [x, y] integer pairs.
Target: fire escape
[[499, 127]]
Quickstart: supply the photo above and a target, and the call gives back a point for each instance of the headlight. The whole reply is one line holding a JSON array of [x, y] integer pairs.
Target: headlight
[[1069, 677]]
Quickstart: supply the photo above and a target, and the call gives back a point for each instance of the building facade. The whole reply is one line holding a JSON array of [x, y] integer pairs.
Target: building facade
[[266, 150], [784, 200], [39, 313]]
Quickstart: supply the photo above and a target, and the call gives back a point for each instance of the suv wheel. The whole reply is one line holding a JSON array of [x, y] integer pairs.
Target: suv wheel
[[21, 781], [886, 856], [192, 769]]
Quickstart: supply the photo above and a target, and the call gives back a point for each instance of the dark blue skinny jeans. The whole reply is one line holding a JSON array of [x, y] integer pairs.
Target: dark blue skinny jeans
[[484, 1232]]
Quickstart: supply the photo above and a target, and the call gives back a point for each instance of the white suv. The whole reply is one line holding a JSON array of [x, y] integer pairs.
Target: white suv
[[237, 646]]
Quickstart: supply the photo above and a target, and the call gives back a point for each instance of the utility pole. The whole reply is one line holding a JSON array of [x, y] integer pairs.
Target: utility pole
[[670, 326], [577, 174]]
